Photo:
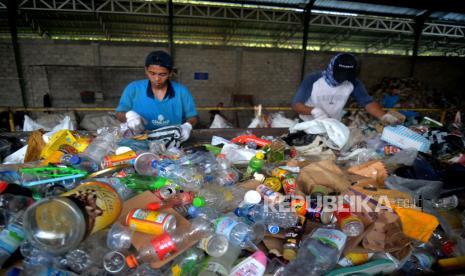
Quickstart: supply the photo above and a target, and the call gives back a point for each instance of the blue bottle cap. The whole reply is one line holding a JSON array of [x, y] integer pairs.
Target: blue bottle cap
[[273, 229], [75, 160], [193, 211]]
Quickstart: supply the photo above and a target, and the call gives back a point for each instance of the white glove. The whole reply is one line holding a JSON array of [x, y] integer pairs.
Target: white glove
[[390, 119], [318, 113], [135, 122], [186, 129]]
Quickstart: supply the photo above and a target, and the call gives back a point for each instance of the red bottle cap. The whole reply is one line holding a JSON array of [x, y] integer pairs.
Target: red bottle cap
[[154, 206], [3, 185]]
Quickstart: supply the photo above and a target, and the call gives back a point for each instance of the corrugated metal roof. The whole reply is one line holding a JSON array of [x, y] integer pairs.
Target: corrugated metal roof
[[448, 16], [366, 7]]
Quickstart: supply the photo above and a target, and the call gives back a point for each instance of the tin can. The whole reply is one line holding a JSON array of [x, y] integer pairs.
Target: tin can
[[315, 213], [150, 222]]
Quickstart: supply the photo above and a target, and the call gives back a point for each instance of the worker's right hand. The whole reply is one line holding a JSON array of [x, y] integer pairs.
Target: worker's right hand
[[390, 119], [318, 113], [135, 122]]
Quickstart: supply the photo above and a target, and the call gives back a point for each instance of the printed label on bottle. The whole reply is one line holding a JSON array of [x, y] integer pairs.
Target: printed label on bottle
[[224, 225], [163, 245], [216, 268], [101, 203], [203, 243], [331, 237], [425, 260], [248, 267], [11, 238]]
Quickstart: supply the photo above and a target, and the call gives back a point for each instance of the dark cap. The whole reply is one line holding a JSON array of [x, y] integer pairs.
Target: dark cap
[[160, 58], [345, 68]]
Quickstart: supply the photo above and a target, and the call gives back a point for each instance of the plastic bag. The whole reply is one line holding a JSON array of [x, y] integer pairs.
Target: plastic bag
[[416, 187], [31, 125], [278, 120], [237, 155], [95, 121], [337, 132], [220, 122]]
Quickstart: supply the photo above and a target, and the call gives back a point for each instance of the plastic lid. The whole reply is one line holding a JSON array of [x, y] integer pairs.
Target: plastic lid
[[176, 270], [3, 185], [198, 201], [55, 225], [121, 150], [260, 155], [273, 229], [131, 261], [154, 206], [289, 254], [221, 155], [75, 159], [252, 197]]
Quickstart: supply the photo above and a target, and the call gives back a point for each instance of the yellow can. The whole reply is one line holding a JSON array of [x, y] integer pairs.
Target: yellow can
[[150, 222]]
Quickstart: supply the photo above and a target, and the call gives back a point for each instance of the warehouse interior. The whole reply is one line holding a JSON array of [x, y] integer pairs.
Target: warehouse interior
[[224, 137], [64, 48]]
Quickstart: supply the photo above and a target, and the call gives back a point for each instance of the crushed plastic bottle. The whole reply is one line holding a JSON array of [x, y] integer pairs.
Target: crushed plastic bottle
[[318, 253], [11, 238], [268, 216]]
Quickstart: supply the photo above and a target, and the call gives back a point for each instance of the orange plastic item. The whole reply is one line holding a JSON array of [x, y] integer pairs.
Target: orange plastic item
[[243, 139]]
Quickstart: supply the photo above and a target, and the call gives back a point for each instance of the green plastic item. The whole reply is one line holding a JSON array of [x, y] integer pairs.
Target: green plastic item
[[198, 201], [144, 183], [214, 149]]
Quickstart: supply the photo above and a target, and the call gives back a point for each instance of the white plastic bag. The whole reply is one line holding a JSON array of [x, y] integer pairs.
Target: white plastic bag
[[337, 132], [31, 125], [95, 121], [278, 120], [236, 154], [220, 122]]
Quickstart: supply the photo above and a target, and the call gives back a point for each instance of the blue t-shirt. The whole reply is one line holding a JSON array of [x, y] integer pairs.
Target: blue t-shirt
[[177, 106], [305, 90]]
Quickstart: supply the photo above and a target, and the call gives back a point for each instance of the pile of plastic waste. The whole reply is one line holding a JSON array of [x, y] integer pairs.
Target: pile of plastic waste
[[322, 199]]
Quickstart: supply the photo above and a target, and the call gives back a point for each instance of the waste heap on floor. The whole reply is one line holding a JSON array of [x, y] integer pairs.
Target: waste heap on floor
[[323, 199]]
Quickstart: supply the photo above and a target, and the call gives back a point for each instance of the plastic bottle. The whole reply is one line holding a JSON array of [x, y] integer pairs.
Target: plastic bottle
[[224, 199], [204, 212], [318, 253], [270, 196], [255, 265], [166, 244], [187, 262], [14, 189], [145, 183], [80, 162], [11, 238], [255, 164], [418, 263], [450, 202], [225, 174], [221, 265], [119, 237], [258, 213], [42, 270], [215, 245], [114, 262], [350, 224], [237, 232], [146, 164], [179, 199], [102, 145], [14, 203]]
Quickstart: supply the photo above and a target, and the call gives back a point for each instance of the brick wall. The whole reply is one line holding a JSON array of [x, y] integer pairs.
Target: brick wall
[[64, 69]]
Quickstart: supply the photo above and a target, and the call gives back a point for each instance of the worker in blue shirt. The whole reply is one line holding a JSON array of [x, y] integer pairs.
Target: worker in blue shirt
[[324, 94], [158, 100]]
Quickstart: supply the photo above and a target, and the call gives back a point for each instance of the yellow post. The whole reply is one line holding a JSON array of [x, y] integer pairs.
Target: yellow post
[[11, 120]]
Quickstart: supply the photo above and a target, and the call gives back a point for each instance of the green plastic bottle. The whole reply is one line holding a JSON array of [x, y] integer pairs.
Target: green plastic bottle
[[255, 164], [145, 183]]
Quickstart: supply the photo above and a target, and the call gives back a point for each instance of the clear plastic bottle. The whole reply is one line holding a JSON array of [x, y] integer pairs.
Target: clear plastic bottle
[[166, 244], [179, 199], [450, 202], [114, 262], [80, 162], [226, 175], [258, 213], [187, 262], [11, 238], [420, 262], [221, 265], [102, 144], [270, 196], [145, 183], [41, 270], [119, 237], [204, 212], [350, 224], [318, 253], [146, 164], [255, 164], [215, 245], [14, 203], [224, 199], [237, 232]]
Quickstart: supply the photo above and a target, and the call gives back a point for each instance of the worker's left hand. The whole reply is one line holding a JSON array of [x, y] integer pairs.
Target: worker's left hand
[[186, 129], [390, 119]]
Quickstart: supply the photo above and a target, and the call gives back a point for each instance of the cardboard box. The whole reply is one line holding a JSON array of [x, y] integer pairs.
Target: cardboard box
[[140, 239]]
